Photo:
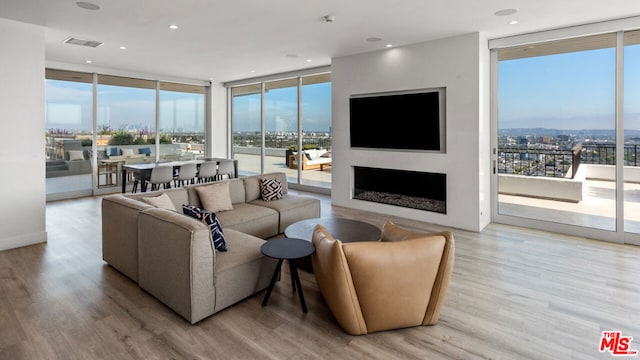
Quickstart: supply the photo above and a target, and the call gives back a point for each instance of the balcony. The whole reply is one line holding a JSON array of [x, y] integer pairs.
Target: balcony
[[545, 185]]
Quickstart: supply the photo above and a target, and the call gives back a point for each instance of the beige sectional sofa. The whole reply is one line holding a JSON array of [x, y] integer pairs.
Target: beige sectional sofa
[[170, 254]]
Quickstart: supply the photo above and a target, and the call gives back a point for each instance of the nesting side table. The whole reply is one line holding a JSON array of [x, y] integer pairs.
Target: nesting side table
[[287, 249]]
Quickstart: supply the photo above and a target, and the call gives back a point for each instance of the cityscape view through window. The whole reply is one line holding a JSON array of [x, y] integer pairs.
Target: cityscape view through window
[[556, 153], [125, 132], [286, 117]]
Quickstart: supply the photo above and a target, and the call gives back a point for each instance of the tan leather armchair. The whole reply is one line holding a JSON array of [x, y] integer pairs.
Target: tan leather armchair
[[397, 282]]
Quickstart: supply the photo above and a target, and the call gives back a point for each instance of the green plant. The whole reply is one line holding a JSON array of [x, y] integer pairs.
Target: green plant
[[140, 141], [86, 142], [121, 138], [164, 139]]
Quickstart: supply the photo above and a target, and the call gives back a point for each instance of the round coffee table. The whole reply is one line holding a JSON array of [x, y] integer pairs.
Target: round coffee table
[[287, 249], [345, 230]]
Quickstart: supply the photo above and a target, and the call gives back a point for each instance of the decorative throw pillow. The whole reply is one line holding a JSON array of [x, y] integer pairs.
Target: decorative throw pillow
[[307, 155], [162, 201], [271, 189], [210, 219], [127, 152], [113, 151], [146, 151], [75, 155], [215, 197]]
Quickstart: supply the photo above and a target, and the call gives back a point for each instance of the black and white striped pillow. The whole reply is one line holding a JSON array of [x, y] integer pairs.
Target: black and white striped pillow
[[271, 189]]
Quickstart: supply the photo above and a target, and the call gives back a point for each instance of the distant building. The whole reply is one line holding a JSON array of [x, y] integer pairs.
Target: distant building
[[522, 140]]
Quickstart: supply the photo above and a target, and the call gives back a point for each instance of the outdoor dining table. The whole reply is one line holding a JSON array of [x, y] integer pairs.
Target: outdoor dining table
[[142, 171]]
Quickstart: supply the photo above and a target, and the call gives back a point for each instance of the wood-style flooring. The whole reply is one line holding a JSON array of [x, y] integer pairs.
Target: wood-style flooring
[[514, 294]]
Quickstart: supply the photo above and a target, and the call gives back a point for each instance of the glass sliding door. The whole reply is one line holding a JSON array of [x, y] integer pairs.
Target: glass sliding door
[[275, 118], [316, 127], [69, 133], [126, 120], [555, 155], [246, 108], [181, 121], [631, 170], [281, 125]]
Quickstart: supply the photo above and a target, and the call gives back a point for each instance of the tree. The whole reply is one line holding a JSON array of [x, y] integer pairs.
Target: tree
[[121, 138]]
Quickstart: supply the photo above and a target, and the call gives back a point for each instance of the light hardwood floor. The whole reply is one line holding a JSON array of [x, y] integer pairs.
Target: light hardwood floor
[[514, 294]]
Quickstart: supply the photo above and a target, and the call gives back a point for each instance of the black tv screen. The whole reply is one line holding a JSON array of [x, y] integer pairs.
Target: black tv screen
[[400, 121]]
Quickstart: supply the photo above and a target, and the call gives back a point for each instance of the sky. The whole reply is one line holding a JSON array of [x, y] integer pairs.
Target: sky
[[281, 110], [568, 91], [68, 106]]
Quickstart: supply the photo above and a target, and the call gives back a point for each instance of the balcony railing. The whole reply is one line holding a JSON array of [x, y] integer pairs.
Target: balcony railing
[[605, 154], [557, 163]]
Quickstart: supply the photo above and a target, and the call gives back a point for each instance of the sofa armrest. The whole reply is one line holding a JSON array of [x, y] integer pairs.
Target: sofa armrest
[[176, 262], [120, 233]]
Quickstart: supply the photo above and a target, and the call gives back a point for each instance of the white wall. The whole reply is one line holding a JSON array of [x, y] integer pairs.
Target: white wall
[[461, 64], [22, 184]]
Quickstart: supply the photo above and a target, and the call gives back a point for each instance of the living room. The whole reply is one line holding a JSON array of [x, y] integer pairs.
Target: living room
[[462, 64]]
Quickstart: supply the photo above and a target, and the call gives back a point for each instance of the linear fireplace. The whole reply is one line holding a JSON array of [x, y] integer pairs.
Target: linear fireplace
[[411, 189]]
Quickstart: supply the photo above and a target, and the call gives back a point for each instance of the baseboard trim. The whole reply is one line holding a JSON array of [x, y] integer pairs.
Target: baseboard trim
[[23, 240]]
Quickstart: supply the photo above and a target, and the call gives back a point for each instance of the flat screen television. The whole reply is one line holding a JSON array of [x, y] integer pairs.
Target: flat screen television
[[405, 120]]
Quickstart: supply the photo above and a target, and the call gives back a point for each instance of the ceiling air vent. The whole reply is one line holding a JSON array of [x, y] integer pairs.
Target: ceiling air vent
[[89, 43]]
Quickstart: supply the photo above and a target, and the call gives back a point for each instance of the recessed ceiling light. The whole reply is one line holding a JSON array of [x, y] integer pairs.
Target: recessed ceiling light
[[388, 45], [373, 39], [253, 71], [309, 60], [173, 27], [123, 48], [513, 22], [505, 12], [87, 5], [88, 61]]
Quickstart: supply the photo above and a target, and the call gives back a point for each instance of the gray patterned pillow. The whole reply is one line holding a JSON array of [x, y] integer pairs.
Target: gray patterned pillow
[[271, 189]]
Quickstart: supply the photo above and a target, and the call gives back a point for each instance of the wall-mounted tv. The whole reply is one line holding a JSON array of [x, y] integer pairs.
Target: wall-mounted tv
[[403, 120]]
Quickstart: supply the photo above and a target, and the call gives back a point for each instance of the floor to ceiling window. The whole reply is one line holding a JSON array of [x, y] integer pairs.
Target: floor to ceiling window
[[280, 124], [182, 123], [632, 132], [271, 120], [69, 129], [316, 126], [126, 117], [246, 104], [83, 160], [558, 139]]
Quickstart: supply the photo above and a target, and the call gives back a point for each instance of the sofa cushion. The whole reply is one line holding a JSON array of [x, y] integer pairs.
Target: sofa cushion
[[215, 197], [162, 201], [75, 155], [292, 209], [254, 220], [209, 218], [271, 189], [252, 185]]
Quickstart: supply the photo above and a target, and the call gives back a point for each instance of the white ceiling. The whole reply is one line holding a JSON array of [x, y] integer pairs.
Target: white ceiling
[[227, 40]]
